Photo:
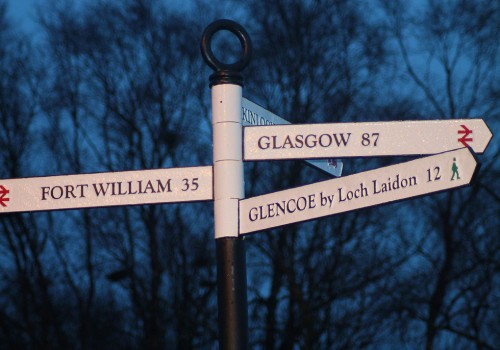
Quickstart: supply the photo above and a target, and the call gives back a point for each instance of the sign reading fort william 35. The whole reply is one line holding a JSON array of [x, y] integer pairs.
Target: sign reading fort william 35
[[364, 139], [106, 189], [396, 182]]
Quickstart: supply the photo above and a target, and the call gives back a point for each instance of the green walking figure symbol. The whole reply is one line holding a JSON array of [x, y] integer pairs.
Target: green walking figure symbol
[[454, 168]]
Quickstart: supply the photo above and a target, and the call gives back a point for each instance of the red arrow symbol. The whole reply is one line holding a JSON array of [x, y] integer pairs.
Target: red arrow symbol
[[3, 193], [464, 139]]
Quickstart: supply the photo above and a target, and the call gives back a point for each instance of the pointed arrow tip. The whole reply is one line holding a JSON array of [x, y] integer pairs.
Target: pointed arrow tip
[[488, 135]]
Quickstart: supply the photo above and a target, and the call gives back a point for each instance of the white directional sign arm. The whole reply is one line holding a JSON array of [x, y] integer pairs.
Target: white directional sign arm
[[364, 139], [254, 115], [397, 182], [106, 189]]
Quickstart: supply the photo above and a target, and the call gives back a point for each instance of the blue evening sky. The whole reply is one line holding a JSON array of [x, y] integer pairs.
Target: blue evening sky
[[21, 12]]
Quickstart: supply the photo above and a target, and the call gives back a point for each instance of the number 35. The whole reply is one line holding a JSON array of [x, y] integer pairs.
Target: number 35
[[190, 184]]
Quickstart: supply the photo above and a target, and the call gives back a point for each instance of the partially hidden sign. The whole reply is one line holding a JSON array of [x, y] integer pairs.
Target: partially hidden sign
[[388, 184], [106, 189], [254, 115], [364, 139]]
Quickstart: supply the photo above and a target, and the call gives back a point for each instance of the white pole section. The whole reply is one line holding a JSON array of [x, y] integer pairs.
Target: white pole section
[[226, 86], [228, 160]]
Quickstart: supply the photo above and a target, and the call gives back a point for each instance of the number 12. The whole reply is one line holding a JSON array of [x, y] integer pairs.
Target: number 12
[[433, 175]]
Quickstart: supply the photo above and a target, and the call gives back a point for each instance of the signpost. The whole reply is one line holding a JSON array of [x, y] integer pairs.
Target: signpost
[[106, 189], [396, 182], [254, 115], [364, 139], [234, 216]]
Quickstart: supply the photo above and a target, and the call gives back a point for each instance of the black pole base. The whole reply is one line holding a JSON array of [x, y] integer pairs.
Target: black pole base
[[232, 293]]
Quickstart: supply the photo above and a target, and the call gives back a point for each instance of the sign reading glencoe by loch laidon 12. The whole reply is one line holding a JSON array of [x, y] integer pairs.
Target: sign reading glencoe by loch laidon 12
[[405, 180]]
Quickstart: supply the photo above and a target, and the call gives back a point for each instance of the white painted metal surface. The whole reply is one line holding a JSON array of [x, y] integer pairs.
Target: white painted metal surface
[[406, 180], [228, 163], [106, 189], [364, 139], [254, 115]]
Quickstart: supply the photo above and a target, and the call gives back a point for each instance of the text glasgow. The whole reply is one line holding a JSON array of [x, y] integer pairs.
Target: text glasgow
[[304, 141]]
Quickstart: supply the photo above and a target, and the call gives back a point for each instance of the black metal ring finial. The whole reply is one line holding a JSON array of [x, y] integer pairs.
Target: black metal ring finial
[[226, 73]]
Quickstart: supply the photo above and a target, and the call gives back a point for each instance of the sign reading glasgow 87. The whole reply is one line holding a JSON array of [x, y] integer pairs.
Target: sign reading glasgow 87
[[364, 139]]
